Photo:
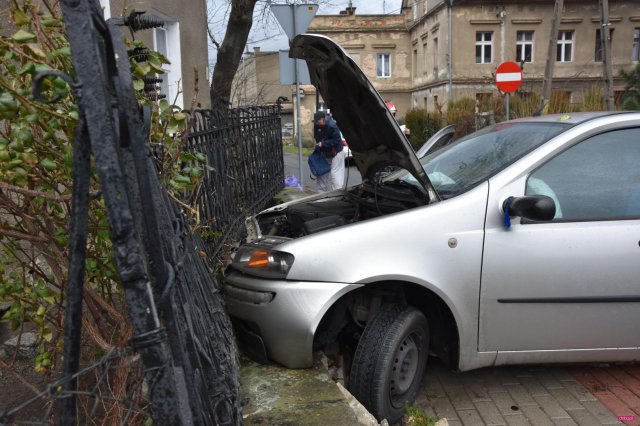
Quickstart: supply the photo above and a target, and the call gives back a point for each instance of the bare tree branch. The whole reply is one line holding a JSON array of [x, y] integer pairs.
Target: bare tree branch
[[212, 38]]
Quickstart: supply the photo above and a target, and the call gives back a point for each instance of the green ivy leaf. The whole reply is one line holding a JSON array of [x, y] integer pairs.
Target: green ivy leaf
[[48, 164], [32, 118], [42, 67], [156, 66], [20, 18], [164, 105], [138, 84], [182, 179], [27, 68], [197, 172], [64, 51], [47, 334], [20, 173], [22, 36], [51, 22]]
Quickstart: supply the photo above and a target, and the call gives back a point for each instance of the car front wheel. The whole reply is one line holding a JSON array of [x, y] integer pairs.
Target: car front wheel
[[390, 360]]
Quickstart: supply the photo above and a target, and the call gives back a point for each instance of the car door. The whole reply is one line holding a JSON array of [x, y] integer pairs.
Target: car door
[[572, 282], [439, 139]]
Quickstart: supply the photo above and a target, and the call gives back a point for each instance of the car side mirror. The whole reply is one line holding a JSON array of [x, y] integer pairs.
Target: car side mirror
[[532, 207]]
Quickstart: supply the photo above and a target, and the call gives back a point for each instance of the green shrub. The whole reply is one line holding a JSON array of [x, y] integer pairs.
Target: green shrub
[[631, 100], [631, 104], [36, 186], [592, 99], [559, 102], [462, 113], [422, 125], [523, 105]]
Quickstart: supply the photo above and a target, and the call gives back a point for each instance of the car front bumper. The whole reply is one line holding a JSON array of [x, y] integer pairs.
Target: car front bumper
[[284, 314]]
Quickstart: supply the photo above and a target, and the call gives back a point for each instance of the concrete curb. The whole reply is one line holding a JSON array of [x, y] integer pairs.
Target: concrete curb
[[363, 415]]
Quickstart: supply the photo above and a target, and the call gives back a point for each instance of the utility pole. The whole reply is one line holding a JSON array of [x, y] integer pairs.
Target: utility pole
[[298, 119], [551, 56], [605, 39]]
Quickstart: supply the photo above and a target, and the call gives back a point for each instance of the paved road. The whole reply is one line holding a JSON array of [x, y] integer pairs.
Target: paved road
[[291, 168], [522, 395]]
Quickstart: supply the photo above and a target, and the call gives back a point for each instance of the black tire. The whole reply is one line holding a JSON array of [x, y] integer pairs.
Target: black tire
[[390, 361]]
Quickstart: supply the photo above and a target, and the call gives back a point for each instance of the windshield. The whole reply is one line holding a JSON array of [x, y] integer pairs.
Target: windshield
[[465, 163]]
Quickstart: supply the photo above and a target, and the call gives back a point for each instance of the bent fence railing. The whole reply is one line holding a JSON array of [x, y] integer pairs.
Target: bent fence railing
[[182, 363], [245, 168]]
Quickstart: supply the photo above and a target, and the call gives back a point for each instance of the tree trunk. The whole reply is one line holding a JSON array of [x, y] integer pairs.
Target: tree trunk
[[230, 51]]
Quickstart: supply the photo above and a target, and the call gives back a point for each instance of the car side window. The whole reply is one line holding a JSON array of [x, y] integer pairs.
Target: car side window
[[597, 179]]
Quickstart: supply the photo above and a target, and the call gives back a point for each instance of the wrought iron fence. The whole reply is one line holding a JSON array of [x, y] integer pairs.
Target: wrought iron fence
[[245, 169], [183, 361]]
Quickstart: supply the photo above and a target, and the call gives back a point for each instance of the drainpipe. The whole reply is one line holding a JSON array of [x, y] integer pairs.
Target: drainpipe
[[502, 14], [449, 59]]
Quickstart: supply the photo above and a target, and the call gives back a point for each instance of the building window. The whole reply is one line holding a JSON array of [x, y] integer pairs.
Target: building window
[[635, 54], [565, 46], [106, 8], [383, 65], [425, 58], [524, 46], [415, 63], [436, 57], [483, 102], [483, 47], [597, 56], [167, 42]]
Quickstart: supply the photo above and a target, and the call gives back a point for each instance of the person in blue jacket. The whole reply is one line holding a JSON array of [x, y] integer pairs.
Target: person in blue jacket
[[329, 140]]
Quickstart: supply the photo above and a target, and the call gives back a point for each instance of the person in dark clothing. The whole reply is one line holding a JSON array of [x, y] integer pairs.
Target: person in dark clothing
[[329, 140]]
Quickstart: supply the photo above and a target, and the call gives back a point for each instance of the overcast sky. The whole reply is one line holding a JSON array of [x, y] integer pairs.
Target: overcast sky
[[266, 32]]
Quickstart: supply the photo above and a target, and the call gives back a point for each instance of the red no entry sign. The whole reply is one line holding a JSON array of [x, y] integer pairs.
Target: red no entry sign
[[508, 77]]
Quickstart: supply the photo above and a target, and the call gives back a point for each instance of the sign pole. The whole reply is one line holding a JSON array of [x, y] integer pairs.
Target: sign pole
[[507, 106], [508, 80], [298, 120], [294, 19]]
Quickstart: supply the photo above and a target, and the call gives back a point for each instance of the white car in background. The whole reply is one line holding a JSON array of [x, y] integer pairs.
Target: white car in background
[[348, 157]]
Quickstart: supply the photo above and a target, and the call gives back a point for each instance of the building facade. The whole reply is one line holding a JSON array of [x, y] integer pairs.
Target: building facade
[[438, 51], [257, 80], [457, 46], [379, 44], [183, 40]]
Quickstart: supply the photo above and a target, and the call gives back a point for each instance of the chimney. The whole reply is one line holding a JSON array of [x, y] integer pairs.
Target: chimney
[[256, 49]]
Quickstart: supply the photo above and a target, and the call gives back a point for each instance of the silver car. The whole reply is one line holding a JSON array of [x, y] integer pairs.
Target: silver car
[[516, 244]]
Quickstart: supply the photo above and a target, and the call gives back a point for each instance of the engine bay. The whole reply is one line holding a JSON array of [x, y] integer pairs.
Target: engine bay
[[365, 201]]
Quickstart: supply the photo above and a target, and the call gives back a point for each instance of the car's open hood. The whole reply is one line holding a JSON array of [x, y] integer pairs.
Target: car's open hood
[[373, 135]]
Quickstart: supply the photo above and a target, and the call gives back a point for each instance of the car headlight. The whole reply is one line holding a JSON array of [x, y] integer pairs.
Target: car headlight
[[261, 260]]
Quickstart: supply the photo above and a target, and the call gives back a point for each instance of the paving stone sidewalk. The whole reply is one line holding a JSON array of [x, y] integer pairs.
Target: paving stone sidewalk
[[518, 395]]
